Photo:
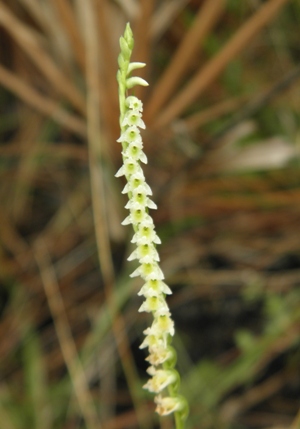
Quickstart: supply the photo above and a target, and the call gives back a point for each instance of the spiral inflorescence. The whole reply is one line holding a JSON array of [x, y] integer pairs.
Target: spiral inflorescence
[[164, 378]]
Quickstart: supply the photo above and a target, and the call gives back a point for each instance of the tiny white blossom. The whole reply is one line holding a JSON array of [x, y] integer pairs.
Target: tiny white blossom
[[161, 380], [129, 167], [140, 198], [161, 337], [142, 189], [168, 405], [152, 341], [147, 271], [135, 180], [159, 354], [134, 103], [146, 230], [131, 134], [145, 252], [137, 214], [153, 304], [133, 117], [134, 150], [163, 323], [154, 287]]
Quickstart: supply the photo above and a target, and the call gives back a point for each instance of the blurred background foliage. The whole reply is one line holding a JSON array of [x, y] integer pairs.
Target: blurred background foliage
[[222, 138]]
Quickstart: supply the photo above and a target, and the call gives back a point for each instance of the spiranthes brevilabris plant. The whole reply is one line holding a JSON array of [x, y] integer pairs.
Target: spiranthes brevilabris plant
[[164, 379]]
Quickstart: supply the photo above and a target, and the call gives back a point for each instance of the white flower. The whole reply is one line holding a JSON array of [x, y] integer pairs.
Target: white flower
[[159, 354], [154, 287], [133, 117], [161, 336], [152, 341], [168, 405], [145, 252], [140, 198], [131, 134], [134, 103], [146, 230], [163, 324], [129, 167], [137, 214], [135, 181], [153, 304], [161, 380], [142, 189], [148, 271], [134, 151]]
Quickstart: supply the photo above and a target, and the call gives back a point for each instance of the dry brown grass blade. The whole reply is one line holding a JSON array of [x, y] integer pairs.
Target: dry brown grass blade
[[43, 105], [70, 26], [63, 151], [65, 337], [76, 202], [12, 241], [108, 69], [235, 406], [35, 10], [198, 119], [28, 134], [45, 16], [213, 68], [96, 143], [27, 39], [163, 17], [204, 21], [130, 8], [141, 32]]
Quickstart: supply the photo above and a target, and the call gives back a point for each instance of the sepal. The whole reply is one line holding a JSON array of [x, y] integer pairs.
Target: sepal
[[129, 36], [125, 50]]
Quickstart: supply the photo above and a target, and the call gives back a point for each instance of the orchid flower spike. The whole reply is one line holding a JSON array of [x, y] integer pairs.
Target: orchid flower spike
[[164, 379]]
